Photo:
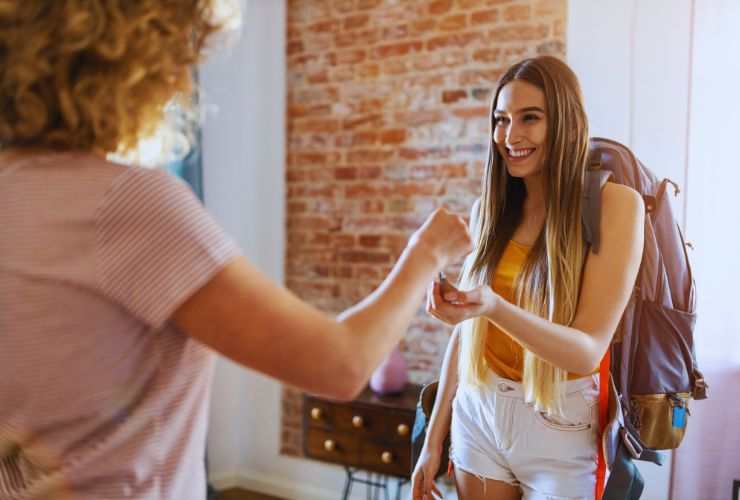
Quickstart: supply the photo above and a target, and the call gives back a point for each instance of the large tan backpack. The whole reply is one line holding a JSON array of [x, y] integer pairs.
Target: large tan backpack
[[652, 360]]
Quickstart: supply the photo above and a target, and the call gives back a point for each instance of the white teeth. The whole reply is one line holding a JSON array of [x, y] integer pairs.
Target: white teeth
[[520, 153]]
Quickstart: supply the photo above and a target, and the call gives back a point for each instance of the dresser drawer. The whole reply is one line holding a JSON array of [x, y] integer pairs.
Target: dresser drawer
[[392, 459], [372, 432], [398, 427], [331, 446], [318, 413], [360, 421]]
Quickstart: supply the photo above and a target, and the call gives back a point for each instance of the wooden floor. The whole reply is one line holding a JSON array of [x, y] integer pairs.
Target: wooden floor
[[239, 494]]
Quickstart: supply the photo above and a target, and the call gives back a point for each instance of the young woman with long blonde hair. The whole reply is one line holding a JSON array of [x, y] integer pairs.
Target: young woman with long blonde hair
[[536, 308]]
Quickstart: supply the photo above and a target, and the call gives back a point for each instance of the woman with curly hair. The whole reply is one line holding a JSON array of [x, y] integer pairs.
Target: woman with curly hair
[[115, 282], [518, 392]]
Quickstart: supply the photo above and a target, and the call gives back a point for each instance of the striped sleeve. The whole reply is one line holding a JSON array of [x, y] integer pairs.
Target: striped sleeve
[[155, 244]]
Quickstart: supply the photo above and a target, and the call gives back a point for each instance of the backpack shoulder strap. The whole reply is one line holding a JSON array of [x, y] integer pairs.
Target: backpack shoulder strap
[[594, 181]]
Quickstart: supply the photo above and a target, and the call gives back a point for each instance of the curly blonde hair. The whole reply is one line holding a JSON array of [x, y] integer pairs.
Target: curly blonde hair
[[95, 74]]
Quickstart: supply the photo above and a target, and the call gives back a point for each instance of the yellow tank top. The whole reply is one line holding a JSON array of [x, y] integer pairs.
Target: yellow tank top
[[505, 355]]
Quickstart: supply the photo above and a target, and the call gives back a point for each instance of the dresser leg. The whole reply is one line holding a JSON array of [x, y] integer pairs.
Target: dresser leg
[[347, 484]]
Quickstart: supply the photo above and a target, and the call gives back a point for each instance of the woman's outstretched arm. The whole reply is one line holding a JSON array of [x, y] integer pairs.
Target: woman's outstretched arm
[[246, 317], [608, 282]]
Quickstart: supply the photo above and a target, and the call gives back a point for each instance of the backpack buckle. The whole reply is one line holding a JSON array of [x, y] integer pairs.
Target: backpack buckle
[[632, 444]]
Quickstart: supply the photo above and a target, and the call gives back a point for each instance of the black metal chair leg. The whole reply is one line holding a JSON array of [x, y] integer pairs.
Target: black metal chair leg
[[347, 484]]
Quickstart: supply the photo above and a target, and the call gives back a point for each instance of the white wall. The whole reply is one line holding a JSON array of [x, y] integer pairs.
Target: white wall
[[632, 59]]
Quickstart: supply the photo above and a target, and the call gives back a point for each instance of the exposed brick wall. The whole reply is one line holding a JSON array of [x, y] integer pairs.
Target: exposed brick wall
[[387, 119]]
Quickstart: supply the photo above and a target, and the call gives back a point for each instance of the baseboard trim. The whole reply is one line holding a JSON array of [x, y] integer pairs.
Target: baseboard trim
[[271, 485]]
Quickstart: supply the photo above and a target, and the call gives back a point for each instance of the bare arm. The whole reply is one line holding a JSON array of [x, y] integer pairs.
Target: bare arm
[[246, 317], [608, 281]]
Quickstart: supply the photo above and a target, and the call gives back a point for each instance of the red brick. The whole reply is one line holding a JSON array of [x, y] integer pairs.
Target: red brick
[[295, 47], [396, 32], [369, 172], [416, 118], [438, 7], [327, 26], [354, 22], [373, 120], [394, 136], [362, 256], [423, 153], [342, 74], [487, 55], [477, 112], [484, 17], [297, 206], [311, 223], [318, 95], [397, 49], [342, 6], [453, 22], [445, 171], [320, 76], [396, 66], [360, 191], [367, 4], [347, 57], [469, 4], [553, 47], [301, 111], [479, 77], [368, 272], [440, 59], [343, 240], [368, 155], [453, 40], [545, 8], [316, 125], [369, 71], [450, 96], [345, 173], [522, 33], [362, 38], [373, 207], [369, 240], [364, 138], [319, 239], [422, 26], [515, 13]]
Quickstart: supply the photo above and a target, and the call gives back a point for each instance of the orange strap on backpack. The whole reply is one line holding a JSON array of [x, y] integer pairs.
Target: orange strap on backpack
[[604, 369]]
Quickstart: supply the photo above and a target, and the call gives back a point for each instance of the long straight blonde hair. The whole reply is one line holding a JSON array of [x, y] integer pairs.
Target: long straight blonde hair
[[550, 280]]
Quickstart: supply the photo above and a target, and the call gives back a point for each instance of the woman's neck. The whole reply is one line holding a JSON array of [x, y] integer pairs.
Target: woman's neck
[[534, 203]]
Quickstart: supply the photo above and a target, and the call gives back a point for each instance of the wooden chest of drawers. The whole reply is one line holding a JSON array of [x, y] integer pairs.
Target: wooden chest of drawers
[[371, 433]]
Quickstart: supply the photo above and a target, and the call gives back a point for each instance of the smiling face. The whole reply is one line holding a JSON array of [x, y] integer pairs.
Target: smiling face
[[520, 128]]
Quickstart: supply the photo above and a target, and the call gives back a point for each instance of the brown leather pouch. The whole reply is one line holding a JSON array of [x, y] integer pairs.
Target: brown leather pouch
[[661, 418]]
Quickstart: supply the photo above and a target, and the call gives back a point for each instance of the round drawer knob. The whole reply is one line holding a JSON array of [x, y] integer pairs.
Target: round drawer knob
[[386, 457], [402, 429], [357, 421], [330, 445], [316, 413]]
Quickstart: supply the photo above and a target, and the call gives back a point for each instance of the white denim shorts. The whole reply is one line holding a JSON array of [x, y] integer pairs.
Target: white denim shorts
[[496, 435]]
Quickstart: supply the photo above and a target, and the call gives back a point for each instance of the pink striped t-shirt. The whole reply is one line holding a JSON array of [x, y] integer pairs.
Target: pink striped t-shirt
[[100, 396]]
